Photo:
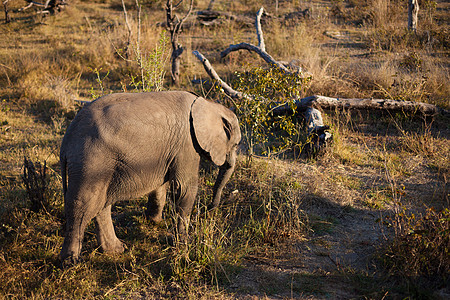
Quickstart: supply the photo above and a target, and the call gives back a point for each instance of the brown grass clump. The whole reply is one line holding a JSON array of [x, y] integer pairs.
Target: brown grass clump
[[421, 249]]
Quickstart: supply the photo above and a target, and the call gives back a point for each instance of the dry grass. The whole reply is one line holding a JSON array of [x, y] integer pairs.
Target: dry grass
[[282, 220]]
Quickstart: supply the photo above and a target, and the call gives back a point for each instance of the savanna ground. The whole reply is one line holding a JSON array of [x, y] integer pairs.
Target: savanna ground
[[367, 218]]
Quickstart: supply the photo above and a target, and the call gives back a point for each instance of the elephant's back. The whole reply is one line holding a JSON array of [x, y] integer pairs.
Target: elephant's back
[[130, 110], [129, 104]]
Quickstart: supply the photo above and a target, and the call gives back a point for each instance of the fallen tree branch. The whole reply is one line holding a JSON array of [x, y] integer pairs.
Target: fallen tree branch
[[259, 32], [50, 6], [378, 104], [264, 55], [260, 50], [212, 73], [30, 4], [367, 104], [313, 117]]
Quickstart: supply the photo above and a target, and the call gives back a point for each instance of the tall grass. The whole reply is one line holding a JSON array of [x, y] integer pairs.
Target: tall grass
[[262, 212]]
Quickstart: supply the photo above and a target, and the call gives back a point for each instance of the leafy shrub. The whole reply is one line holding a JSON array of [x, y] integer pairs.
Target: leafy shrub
[[268, 88], [151, 65]]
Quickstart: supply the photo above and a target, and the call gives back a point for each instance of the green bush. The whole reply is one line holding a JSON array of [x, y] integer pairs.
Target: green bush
[[268, 88]]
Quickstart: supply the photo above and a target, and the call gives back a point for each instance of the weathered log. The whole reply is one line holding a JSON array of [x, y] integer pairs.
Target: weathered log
[[366, 104], [372, 104], [50, 6]]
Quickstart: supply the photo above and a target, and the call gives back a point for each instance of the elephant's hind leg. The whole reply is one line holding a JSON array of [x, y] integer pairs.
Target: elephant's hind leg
[[156, 202], [106, 236], [81, 205]]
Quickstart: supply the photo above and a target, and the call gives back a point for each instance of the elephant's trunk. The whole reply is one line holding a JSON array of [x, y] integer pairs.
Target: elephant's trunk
[[224, 175]]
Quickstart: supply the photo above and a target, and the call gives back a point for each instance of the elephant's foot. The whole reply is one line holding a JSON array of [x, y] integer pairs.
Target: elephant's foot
[[155, 219], [70, 261], [153, 215], [115, 247]]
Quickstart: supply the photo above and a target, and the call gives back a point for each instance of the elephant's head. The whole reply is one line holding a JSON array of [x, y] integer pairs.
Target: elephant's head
[[217, 132]]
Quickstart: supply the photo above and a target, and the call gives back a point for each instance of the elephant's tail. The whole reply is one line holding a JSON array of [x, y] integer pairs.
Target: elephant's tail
[[63, 162]]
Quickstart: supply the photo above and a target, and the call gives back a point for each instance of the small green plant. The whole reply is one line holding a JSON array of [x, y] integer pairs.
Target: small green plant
[[100, 82], [268, 88], [151, 66]]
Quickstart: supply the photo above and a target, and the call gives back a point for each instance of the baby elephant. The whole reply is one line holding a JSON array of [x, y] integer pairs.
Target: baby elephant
[[126, 145]]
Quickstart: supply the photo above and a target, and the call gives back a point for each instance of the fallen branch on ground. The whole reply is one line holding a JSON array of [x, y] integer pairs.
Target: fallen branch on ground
[[50, 6], [367, 104]]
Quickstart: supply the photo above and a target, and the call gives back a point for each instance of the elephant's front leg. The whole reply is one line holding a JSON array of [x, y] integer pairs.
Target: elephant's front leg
[[106, 236], [156, 202], [184, 199]]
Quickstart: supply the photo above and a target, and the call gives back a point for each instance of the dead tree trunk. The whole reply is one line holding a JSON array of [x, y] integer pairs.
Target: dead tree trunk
[[413, 12], [174, 25], [7, 16]]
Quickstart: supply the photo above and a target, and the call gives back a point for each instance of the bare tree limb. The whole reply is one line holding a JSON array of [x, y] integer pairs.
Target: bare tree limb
[[174, 25], [260, 50], [127, 23], [50, 6], [191, 5], [413, 12], [264, 55], [212, 73], [259, 32]]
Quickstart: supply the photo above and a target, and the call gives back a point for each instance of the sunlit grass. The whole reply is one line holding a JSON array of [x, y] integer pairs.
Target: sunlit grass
[[271, 206]]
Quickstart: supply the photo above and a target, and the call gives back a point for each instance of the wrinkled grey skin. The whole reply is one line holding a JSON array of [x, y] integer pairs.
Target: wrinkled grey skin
[[126, 145]]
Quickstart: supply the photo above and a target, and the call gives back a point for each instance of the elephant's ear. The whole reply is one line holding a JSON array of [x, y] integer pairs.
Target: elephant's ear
[[212, 127]]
